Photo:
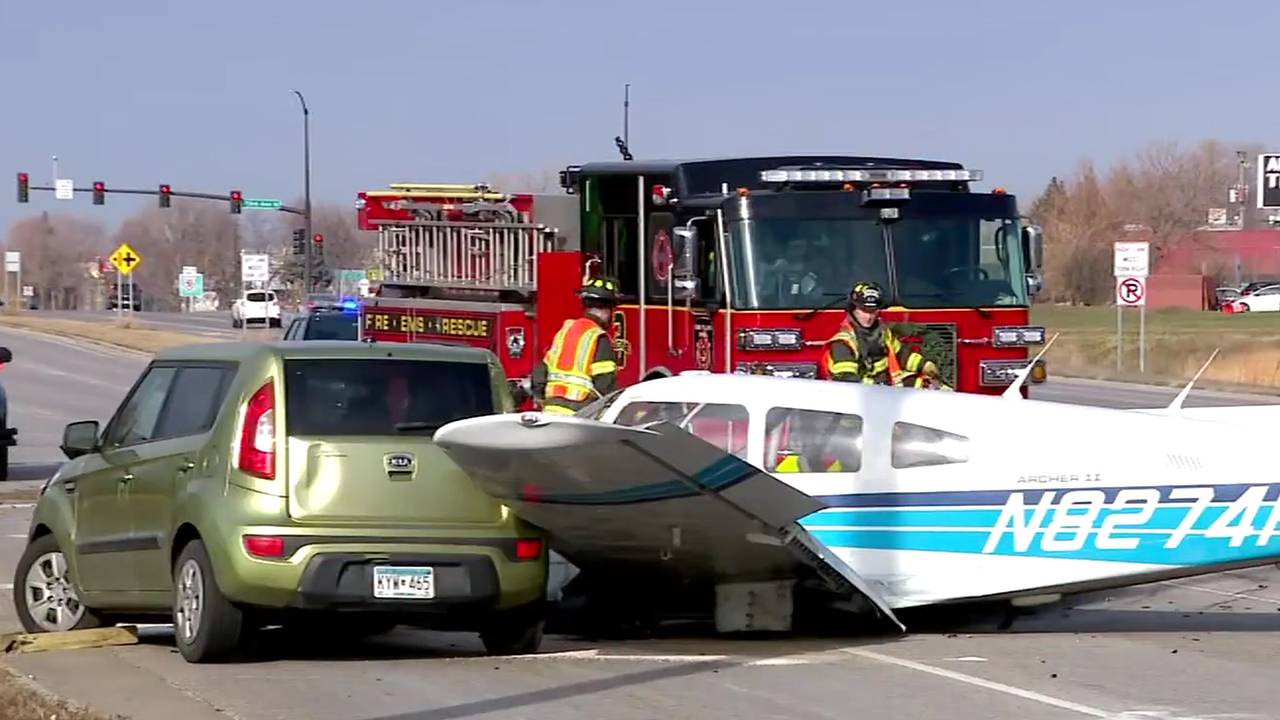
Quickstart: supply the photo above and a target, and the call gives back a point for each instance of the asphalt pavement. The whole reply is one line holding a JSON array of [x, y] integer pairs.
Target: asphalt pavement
[[1179, 650]]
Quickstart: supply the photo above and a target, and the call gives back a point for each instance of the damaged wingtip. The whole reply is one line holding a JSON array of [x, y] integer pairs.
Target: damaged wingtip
[[1175, 407], [1014, 391]]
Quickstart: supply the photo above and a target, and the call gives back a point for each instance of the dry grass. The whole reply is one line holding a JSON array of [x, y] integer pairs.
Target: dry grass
[[23, 700], [1177, 343], [120, 334]]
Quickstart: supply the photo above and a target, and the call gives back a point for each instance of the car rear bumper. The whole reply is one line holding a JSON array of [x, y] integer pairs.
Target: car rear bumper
[[337, 574], [344, 581]]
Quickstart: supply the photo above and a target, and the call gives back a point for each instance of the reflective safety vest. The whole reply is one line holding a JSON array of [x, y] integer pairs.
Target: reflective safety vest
[[570, 365], [888, 364], [793, 463]]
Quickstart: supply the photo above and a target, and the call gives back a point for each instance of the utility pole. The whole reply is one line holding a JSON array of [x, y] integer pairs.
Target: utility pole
[[306, 161]]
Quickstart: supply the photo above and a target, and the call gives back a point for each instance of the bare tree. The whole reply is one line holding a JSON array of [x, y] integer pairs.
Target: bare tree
[[57, 252], [191, 232]]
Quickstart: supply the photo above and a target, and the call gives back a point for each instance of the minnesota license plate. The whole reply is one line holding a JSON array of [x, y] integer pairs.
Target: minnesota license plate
[[407, 583]]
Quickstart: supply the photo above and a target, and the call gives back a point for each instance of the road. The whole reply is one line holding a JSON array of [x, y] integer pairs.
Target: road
[[1177, 650]]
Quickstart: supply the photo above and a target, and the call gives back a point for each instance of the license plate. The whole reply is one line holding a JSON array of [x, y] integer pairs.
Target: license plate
[[408, 583]]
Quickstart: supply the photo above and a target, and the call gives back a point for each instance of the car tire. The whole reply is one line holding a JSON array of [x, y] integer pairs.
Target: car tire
[[1244, 307], [206, 625], [516, 632], [4, 461], [43, 556]]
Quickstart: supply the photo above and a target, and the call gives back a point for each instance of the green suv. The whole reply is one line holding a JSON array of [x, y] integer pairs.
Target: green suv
[[242, 485]]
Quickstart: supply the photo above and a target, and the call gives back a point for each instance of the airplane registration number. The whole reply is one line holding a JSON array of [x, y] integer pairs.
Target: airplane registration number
[[1078, 519]]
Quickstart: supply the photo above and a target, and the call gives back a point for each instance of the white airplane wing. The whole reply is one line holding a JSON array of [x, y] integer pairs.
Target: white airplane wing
[[654, 499]]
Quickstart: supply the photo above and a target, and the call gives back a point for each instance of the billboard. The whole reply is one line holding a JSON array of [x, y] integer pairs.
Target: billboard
[[1269, 181]]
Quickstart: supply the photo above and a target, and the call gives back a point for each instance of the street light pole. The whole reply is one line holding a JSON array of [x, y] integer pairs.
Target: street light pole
[[306, 160]]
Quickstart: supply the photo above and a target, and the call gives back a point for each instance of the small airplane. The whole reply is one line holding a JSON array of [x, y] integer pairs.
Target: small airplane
[[756, 498]]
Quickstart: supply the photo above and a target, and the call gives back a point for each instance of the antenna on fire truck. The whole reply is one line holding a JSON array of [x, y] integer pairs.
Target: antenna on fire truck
[[623, 140]]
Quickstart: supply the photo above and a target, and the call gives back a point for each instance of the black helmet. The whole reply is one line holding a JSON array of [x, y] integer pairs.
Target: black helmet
[[866, 295], [599, 291]]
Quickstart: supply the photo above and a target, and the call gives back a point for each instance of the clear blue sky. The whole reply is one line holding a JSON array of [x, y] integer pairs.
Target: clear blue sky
[[198, 94]]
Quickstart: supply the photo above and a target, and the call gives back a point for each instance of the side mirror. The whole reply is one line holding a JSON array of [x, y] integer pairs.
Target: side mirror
[[1033, 248], [1034, 285], [685, 270], [80, 438], [6, 356]]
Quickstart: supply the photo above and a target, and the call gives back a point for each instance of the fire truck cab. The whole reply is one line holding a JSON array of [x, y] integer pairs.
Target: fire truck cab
[[730, 265]]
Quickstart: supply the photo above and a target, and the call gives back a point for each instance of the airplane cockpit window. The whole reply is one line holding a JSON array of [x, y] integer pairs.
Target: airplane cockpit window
[[812, 441], [920, 446], [724, 426]]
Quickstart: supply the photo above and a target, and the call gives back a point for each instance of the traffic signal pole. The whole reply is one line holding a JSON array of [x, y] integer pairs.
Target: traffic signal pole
[[173, 193]]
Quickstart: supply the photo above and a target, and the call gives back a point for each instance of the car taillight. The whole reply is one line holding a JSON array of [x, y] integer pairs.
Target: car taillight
[[258, 434], [528, 549], [266, 546]]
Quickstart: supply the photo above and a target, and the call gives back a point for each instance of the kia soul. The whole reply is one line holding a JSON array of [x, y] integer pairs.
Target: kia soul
[[241, 485]]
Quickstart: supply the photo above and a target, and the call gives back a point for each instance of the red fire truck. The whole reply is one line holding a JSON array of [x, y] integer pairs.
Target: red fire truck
[[731, 265]]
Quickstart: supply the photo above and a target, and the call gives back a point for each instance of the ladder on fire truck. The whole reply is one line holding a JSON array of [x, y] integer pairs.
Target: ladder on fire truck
[[460, 236]]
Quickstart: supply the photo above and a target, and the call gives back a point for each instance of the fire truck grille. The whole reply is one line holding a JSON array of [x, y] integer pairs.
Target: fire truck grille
[[936, 341]]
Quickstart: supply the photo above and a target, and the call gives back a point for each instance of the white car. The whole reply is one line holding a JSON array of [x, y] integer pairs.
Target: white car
[[259, 306], [1265, 299]]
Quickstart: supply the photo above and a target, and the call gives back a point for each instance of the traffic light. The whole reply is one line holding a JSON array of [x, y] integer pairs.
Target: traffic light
[[99, 192], [319, 244], [164, 196], [236, 199], [299, 241], [23, 185]]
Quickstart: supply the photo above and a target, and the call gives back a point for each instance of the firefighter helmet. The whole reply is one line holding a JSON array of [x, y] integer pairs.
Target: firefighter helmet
[[866, 295], [599, 291]]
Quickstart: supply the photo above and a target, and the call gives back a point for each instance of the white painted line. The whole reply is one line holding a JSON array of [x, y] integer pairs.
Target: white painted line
[[969, 658], [1224, 593], [6, 586], [19, 536], [985, 684], [596, 655], [17, 505]]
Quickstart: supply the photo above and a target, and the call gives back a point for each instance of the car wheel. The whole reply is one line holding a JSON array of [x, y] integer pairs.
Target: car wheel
[[4, 459], [1243, 307], [44, 592], [206, 625], [516, 632]]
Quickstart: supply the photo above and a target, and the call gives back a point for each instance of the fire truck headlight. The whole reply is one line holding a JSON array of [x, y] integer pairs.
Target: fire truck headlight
[[763, 339], [1017, 336]]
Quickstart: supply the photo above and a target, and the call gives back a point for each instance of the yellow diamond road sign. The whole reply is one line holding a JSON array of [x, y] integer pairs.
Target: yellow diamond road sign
[[125, 259]]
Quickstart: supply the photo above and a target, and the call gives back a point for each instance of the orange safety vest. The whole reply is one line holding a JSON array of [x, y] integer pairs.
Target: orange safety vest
[[569, 361], [846, 336]]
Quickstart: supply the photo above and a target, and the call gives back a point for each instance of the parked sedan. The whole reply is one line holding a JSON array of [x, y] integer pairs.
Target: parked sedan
[[1266, 299]]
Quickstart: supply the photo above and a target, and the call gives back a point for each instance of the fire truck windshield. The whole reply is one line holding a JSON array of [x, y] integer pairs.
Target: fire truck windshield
[[930, 260]]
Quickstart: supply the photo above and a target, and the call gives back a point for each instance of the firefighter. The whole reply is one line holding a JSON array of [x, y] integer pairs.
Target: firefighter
[[580, 365], [865, 349]]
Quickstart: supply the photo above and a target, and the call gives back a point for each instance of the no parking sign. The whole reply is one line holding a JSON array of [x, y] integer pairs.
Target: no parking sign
[[1131, 291]]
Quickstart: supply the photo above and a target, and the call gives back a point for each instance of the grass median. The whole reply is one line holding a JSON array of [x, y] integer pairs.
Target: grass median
[[1177, 343], [23, 700], [124, 334]]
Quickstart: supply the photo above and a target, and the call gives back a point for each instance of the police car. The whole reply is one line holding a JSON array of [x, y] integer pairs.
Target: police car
[[340, 321]]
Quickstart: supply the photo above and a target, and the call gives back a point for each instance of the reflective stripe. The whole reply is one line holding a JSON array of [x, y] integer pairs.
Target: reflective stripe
[[840, 368], [569, 366], [557, 410], [791, 464], [604, 367]]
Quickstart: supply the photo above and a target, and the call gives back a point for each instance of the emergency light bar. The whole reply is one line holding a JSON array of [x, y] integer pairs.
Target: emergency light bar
[[867, 175]]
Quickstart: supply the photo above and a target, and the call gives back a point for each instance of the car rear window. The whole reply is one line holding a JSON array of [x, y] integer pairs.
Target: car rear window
[[256, 297], [382, 396], [333, 326]]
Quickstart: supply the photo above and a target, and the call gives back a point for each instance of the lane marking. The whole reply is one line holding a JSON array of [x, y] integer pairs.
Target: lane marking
[[19, 536], [1018, 692], [1224, 593], [634, 657], [6, 586]]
